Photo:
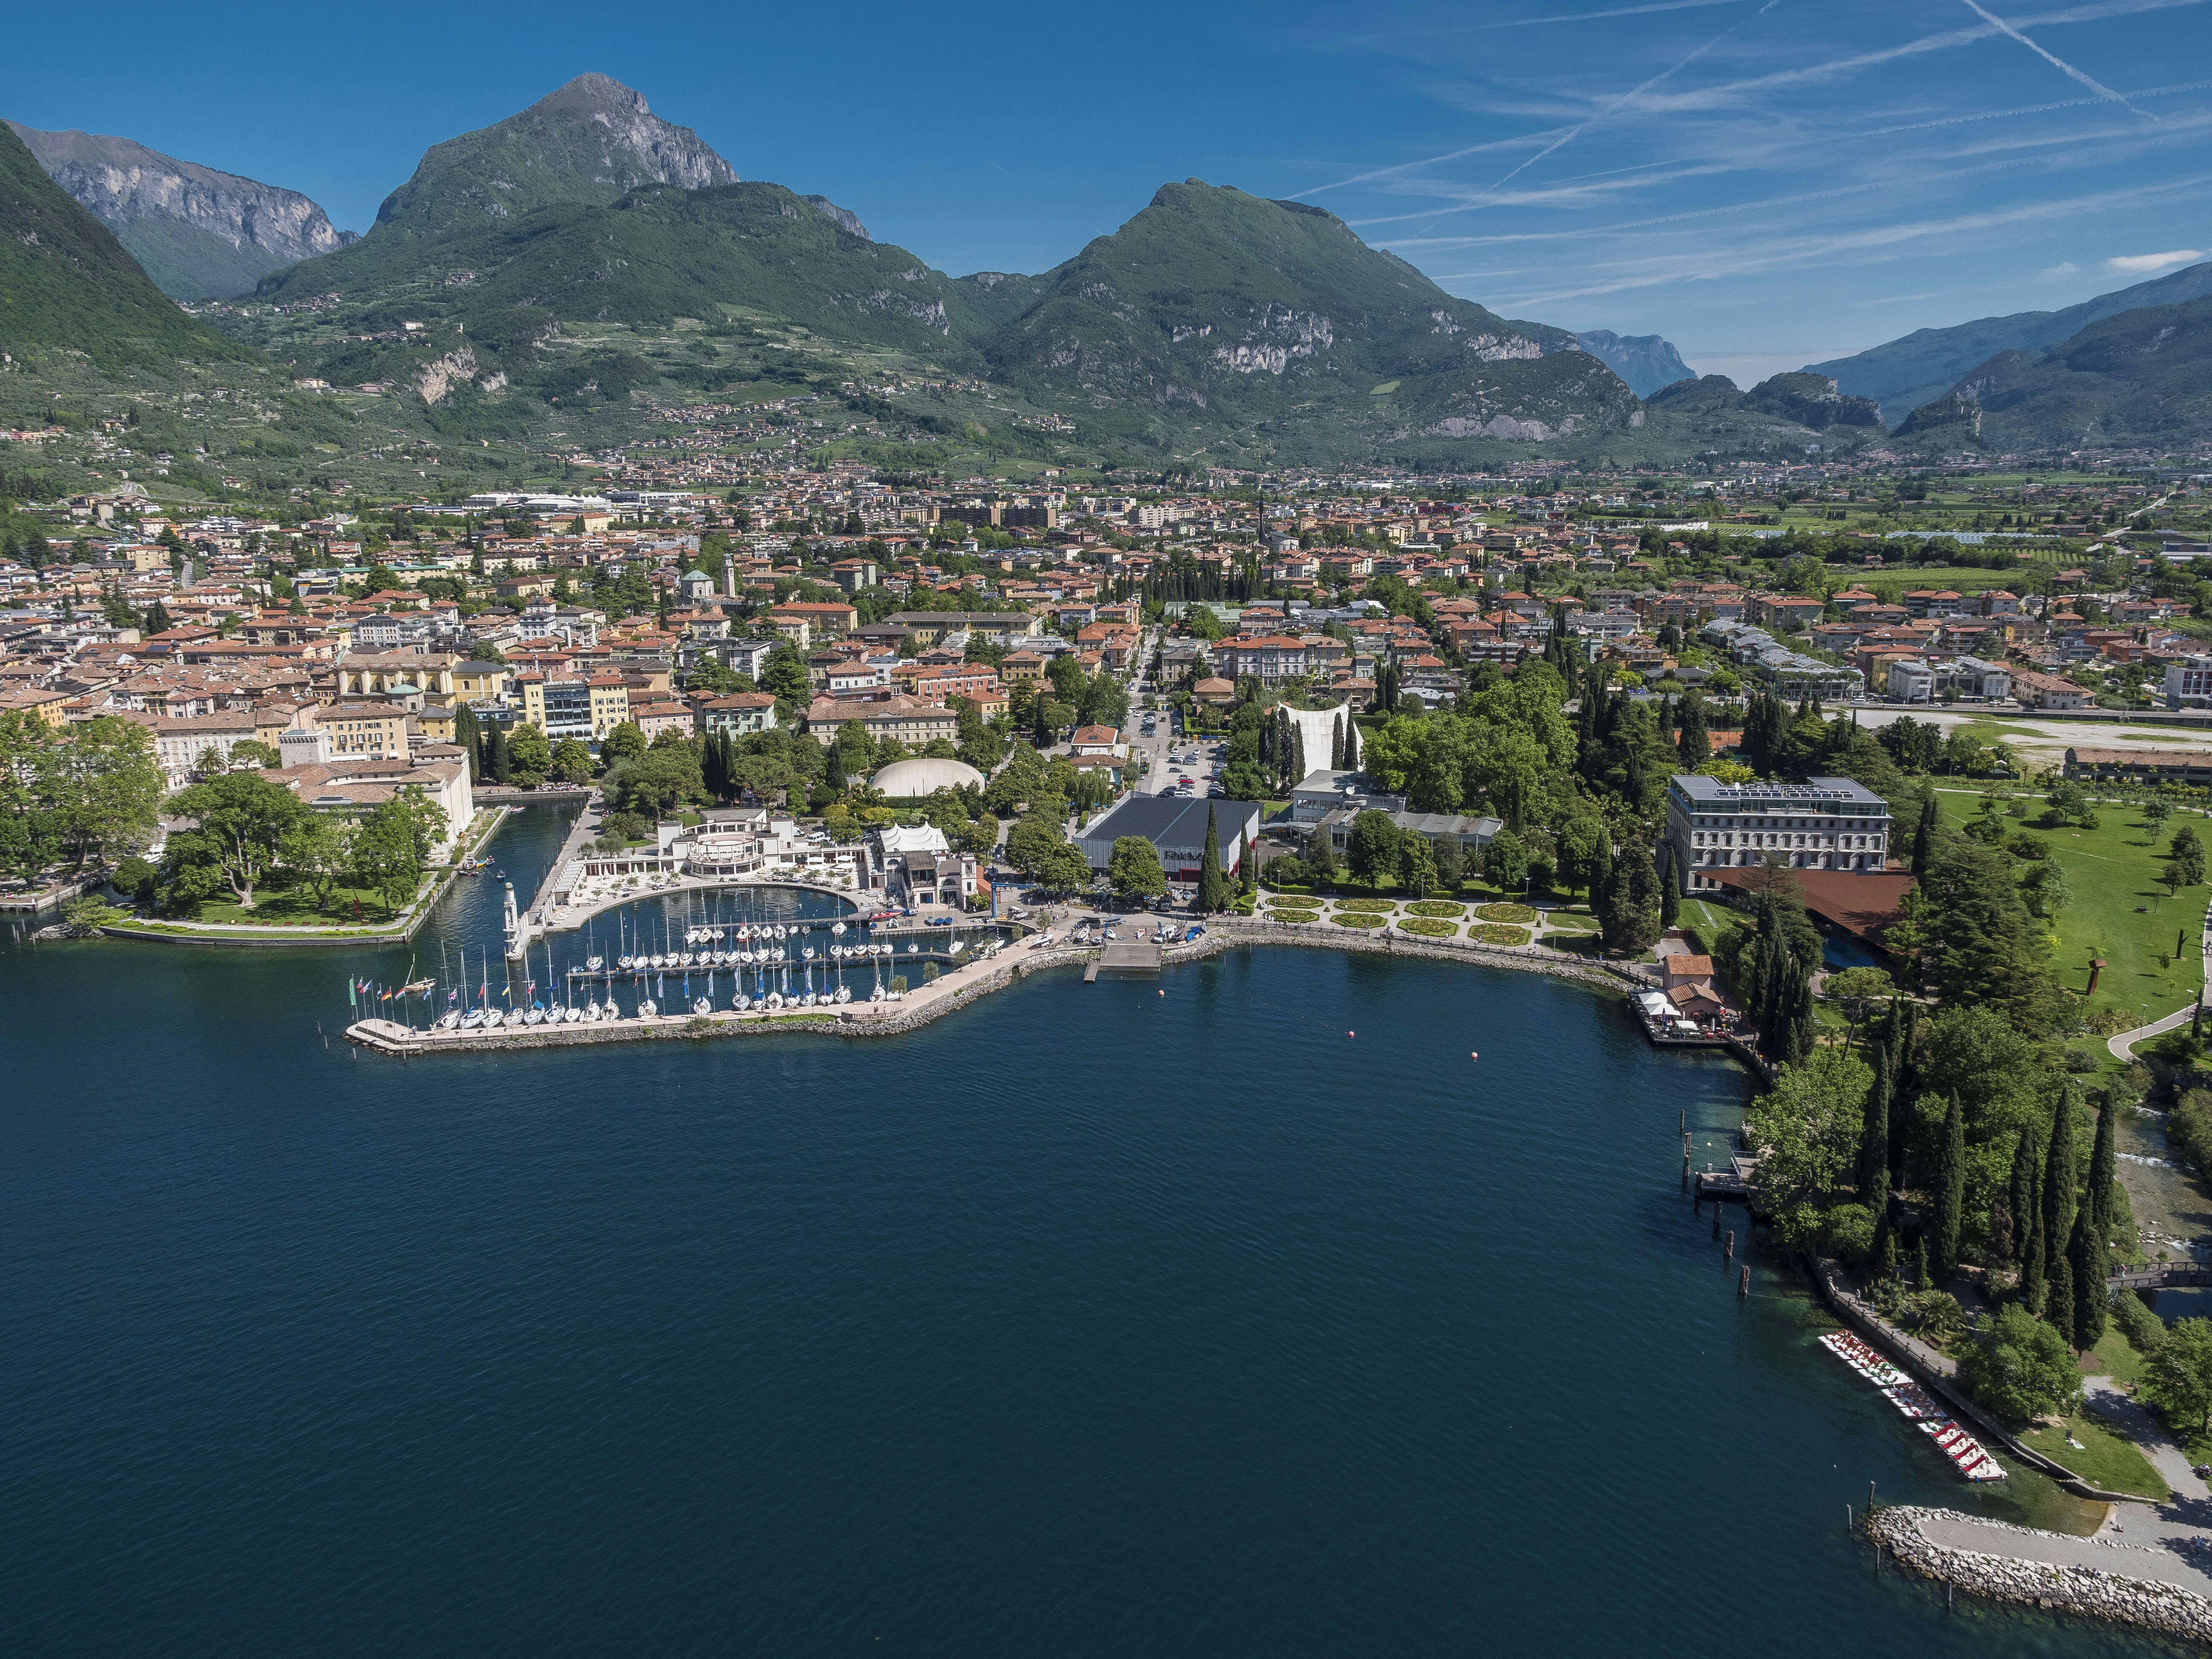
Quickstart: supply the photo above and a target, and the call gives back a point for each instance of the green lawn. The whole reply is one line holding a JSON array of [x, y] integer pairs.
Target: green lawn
[[2117, 1357], [294, 906], [1571, 921], [2102, 1459], [2118, 911]]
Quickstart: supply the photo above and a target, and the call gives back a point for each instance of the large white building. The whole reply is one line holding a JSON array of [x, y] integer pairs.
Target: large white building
[[1825, 823]]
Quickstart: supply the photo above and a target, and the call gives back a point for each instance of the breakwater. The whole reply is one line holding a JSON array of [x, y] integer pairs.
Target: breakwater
[[2101, 1590], [950, 992]]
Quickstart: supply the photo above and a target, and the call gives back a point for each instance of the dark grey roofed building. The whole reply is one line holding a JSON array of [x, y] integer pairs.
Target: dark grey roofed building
[[1174, 825]]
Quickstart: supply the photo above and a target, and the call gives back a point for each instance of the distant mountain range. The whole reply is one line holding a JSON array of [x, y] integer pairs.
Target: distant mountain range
[[67, 285], [585, 248], [1927, 363], [2140, 378], [1645, 361], [198, 233]]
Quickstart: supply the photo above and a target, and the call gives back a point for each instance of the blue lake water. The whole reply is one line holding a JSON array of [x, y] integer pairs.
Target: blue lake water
[[1087, 1320]]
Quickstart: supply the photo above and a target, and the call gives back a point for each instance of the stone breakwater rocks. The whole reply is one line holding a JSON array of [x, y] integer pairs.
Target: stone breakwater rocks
[[2092, 1590]]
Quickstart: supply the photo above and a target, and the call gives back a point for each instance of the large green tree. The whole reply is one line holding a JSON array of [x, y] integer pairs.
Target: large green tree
[[1133, 868], [239, 823]]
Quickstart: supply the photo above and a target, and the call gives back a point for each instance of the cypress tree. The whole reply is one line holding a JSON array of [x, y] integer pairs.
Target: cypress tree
[[502, 760], [1336, 744], [1924, 838], [2027, 1203], [1902, 1073], [2058, 1188], [1950, 1188], [1213, 893], [1351, 745], [1694, 748], [1885, 1245], [2058, 1298], [2085, 1256], [1924, 1271], [1670, 897], [2103, 1171], [1873, 1135], [834, 773]]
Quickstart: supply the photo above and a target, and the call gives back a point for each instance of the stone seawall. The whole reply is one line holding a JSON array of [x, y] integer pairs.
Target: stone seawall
[[880, 1020], [2055, 1587]]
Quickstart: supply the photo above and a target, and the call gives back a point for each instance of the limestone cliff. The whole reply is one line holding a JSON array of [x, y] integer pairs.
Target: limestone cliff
[[199, 233]]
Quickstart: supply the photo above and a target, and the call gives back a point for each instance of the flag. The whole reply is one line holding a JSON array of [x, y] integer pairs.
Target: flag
[[350, 1002]]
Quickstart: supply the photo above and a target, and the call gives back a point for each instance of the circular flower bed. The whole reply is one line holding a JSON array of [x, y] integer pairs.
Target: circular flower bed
[[1384, 906], [1430, 929], [1520, 912], [1437, 908], [1358, 919], [1284, 913], [1489, 933]]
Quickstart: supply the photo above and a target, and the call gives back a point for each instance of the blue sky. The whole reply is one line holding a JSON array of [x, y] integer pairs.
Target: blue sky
[[1765, 182]]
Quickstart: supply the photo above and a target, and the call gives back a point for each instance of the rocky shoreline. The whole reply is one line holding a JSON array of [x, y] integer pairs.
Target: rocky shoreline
[[2048, 1585]]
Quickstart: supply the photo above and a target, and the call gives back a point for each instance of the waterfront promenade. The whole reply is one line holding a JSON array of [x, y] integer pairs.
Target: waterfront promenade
[[933, 998]]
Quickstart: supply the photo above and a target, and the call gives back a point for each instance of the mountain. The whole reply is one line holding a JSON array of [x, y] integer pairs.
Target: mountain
[[66, 282], [199, 233], [1271, 325], [1926, 363], [593, 140], [1785, 411], [844, 218], [2143, 377], [1645, 361], [659, 255]]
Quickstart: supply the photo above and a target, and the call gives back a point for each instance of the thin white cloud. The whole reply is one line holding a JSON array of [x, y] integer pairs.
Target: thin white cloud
[[2030, 109], [1627, 98], [1591, 16], [2141, 264], [2053, 59], [1711, 264], [2058, 272]]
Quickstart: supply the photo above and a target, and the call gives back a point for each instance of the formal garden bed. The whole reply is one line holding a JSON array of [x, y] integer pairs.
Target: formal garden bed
[[1429, 929], [1358, 919], [1571, 921], [1492, 933], [1368, 906], [1517, 913], [1442, 909]]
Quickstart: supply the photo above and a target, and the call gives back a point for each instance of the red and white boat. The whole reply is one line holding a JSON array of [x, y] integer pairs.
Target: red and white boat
[[1967, 1455]]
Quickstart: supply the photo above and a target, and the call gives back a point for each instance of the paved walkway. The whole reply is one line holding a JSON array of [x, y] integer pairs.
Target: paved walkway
[[2141, 1426], [2162, 1544], [2122, 1047]]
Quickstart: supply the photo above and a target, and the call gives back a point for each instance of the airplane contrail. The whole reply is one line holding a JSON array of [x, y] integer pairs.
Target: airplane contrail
[[1577, 132], [2054, 60]]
